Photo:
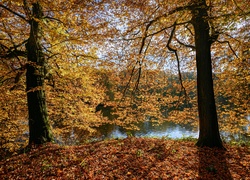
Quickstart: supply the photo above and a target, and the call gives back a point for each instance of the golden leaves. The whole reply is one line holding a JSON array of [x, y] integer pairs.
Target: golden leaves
[[91, 63]]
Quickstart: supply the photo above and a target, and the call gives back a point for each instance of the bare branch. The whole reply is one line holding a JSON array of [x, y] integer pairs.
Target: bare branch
[[156, 32], [170, 38], [235, 39], [186, 45], [140, 68], [177, 9], [145, 35], [190, 31], [134, 71], [228, 43], [177, 58], [127, 85]]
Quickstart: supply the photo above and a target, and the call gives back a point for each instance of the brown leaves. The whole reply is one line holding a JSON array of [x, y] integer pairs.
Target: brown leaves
[[131, 158]]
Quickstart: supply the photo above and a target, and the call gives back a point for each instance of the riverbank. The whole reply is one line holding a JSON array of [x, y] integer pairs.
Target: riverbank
[[130, 158]]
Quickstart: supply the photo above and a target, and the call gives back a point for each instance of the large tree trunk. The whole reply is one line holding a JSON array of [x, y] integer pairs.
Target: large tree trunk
[[208, 124], [39, 129]]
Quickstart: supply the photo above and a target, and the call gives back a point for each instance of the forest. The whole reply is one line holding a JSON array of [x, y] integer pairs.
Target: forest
[[73, 71]]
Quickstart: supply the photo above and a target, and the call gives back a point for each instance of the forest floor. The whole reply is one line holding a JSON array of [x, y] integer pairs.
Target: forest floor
[[130, 158]]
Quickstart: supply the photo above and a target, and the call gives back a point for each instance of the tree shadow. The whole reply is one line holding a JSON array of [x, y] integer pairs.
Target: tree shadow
[[213, 164]]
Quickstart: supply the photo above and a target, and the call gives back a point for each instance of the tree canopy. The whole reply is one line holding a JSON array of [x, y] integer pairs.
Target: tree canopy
[[136, 57]]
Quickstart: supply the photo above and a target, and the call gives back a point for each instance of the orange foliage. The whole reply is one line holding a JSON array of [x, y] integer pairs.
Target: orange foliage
[[92, 53]]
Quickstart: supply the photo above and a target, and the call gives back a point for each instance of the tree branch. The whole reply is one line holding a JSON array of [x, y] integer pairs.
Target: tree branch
[[154, 33], [140, 66], [190, 31], [177, 9], [181, 8], [14, 53], [229, 47], [55, 19], [177, 58], [127, 85], [186, 45], [13, 12], [145, 35], [237, 6]]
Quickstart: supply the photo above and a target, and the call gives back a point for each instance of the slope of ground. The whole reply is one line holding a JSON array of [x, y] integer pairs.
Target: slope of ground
[[130, 158]]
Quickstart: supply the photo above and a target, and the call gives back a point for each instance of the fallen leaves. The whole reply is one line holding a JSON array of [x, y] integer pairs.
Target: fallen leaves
[[131, 158]]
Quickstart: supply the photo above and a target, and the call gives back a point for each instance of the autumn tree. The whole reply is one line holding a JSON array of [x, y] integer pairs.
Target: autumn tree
[[40, 39], [138, 58], [209, 130], [173, 30], [38, 116]]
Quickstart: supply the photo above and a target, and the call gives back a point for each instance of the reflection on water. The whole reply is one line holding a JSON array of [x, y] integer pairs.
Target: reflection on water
[[166, 129], [149, 129], [175, 133]]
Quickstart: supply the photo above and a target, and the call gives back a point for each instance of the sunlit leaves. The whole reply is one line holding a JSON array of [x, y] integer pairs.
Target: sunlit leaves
[[92, 55], [234, 86]]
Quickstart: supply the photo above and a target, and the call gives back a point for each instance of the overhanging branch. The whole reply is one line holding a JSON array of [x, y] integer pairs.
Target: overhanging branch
[[140, 66], [177, 58]]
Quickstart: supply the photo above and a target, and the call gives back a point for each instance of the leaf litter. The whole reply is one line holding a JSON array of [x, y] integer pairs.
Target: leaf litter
[[130, 158]]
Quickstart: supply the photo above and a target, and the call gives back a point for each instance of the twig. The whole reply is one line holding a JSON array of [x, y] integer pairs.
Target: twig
[[229, 47]]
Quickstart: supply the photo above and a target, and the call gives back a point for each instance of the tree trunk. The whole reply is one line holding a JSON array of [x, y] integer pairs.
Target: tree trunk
[[208, 123], [39, 129]]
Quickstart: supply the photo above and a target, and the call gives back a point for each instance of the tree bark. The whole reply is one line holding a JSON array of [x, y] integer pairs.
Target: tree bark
[[208, 123], [39, 129]]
